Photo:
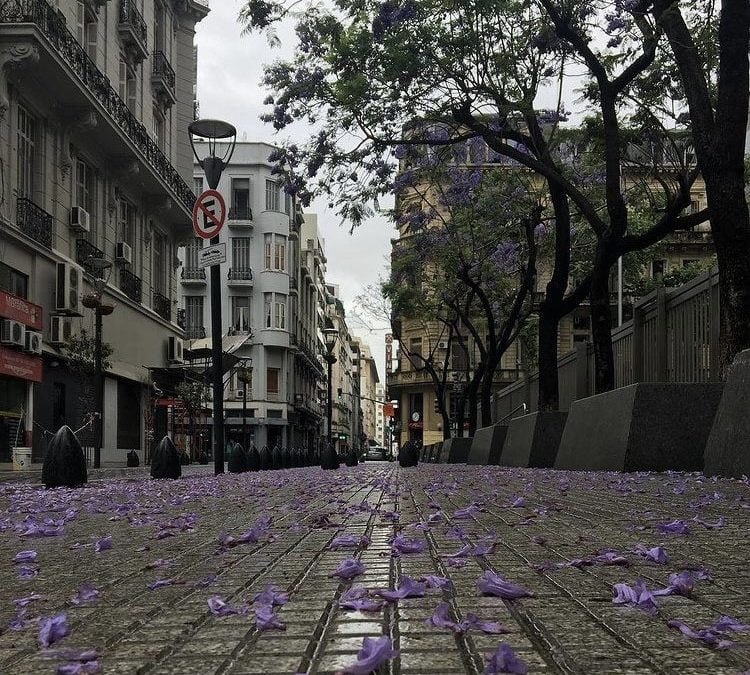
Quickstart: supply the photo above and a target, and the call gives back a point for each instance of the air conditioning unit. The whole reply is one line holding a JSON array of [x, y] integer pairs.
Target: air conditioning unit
[[68, 289], [239, 394], [12, 333], [60, 330], [79, 219], [33, 342], [443, 344], [174, 350], [123, 253]]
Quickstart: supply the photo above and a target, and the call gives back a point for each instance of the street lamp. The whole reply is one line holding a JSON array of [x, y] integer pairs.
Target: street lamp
[[103, 270], [329, 335], [214, 131], [245, 375]]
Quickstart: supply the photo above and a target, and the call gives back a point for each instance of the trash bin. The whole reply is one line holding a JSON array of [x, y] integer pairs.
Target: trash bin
[[21, 459]]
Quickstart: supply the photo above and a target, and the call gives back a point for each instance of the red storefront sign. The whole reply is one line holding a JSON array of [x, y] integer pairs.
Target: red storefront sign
[[18, 309], [20, 365], [388, 410]]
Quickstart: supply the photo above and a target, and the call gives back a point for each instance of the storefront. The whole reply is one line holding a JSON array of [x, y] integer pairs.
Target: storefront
[[20, 367]]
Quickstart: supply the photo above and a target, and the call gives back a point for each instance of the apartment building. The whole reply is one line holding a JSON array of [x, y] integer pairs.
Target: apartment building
[[95, 100]]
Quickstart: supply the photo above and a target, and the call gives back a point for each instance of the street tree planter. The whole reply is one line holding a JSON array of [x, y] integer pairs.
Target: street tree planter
[[238, 459], [65, 462], [487, 445], [165, 462], [532, 440]]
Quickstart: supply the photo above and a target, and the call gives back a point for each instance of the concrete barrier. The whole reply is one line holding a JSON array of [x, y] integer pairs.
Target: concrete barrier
[[728, 447], [487, 445], [647, 426], [454, 451], [532, 440]]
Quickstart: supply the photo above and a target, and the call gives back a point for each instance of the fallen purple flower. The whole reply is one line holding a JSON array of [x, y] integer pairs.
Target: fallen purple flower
[[348, 569], [206, 581], [52, 629], [610, 558], [539, 540], [103, 544], [403, 545], [456, 562], [440, 619], [710, 526], [656, 554], [157, 564], [26, 572], [637, 595], [272, 595], [491, 627], [407, 588], [493, 584], [358, 599], [265, 619], [504, 660], [348, 541], [86, 593], [24, 557], [161, 583], [434, 581], [219, 607], [466, 512], [708, 636], [435, 517], [23, 602], [374, 653], [728, 623], [675, 527], [518, 502], [78, 668], [463, 552], [82, 662]]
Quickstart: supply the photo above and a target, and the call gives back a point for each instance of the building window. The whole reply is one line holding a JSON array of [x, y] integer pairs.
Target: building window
[[658, 268], [14, 281], [241, 314], [240, 253], [161, 34], [458, 357], [159, 275], [127, 224], [268, 310], [26, 151], [267, 250], [581, 322], [274, 252], [272, 195], [197, 185], [193, 314], [128, 83], [86, 29], [272, 381], [160, 126], [85, 196], [415, 349], [241, 198], [280, 311], [191, 253]]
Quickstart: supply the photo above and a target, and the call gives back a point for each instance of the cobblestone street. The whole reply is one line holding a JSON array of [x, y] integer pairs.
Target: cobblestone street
[[132, 564]]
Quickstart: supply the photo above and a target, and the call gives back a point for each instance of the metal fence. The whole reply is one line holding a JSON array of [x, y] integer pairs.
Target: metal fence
[[673, 337]]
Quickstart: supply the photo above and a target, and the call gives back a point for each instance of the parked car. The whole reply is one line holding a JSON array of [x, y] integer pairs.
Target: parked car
[[376, 452]]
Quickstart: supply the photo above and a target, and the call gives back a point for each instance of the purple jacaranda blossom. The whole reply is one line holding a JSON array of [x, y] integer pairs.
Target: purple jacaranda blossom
[[403, 545], [728, 623], [358, 599], [675, 527], [391, 516], [610, 558], [206, 581], [463, 552], [271, 595], [539, 540], [455, 532], [23, 602], [86, 593], [493, 584], [483, 547], [407, 588], [637, 594], [679, 583], [440, 619], [79, 661], [655, 554], [348, 541], [25, 557], [518, 502], [19, 621], [466, 512], [348, 569], [161, 583], [160, 563], [436, 517], [78, 668], [710, 526], [265, 619], [52, 629], [103, 544], [163, 534], [219, 607], [504, 660], [486, 626], [374, 653], [434, 581], [26, 572], [456, 562], [709, 636]]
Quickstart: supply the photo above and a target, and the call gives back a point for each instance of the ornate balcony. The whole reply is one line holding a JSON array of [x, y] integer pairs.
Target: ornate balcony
[[240, 216], [131, 285], [240, 276], [163, 79], [132, 29], [85, 250], [195, 332], [34, 222], [193, 275], [74, 80], [162, 306]]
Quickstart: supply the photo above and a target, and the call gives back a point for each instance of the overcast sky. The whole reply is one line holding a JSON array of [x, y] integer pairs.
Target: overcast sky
[[230, 69]]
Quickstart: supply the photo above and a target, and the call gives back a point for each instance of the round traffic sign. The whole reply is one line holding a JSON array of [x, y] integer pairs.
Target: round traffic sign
[[209, 213]]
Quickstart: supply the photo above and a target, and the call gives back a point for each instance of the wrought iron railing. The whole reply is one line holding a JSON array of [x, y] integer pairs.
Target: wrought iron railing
[[240, 213], [85, 250], [50, 23], [131, 285], [193, 273], [195, 333], [34, 221], [181, 318], [163, 70], [130, 15], [162, 306], [240, 274]]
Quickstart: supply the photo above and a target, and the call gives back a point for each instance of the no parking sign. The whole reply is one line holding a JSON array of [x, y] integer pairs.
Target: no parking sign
[[209, 213]]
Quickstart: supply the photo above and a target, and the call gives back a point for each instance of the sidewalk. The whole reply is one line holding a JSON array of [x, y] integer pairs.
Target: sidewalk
[[34, 474], [175, 544]]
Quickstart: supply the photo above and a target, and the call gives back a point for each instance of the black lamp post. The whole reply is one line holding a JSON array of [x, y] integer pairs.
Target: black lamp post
[[214, 131], [330, 334], [245, 375], [102, 267]]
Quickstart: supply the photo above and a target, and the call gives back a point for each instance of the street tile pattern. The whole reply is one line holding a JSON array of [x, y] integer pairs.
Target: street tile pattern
[[174, 530]]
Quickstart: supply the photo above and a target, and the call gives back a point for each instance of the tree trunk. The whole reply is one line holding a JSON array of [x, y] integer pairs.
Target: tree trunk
[[446, 425], [601, 326], [486, 398], [472, 412], [549, 395]]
